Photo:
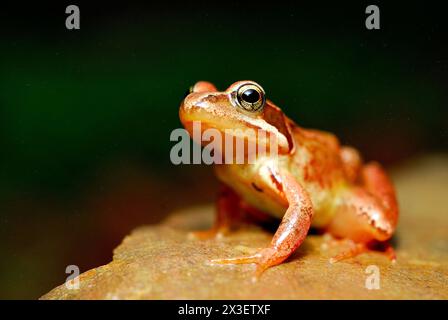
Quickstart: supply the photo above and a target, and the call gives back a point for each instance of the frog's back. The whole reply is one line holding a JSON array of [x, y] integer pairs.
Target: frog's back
[[316, 158]]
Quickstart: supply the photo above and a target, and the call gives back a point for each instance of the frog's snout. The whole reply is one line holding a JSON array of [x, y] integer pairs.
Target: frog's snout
[[193, 99]]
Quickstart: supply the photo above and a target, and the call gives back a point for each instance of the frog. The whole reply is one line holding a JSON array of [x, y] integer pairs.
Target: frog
[[312, 182]]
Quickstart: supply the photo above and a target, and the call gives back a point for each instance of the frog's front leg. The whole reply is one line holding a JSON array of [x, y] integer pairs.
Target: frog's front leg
[[291, 232], [228, 213]]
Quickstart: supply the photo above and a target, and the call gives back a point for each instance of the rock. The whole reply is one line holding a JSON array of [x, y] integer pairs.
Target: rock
[[161, 262]]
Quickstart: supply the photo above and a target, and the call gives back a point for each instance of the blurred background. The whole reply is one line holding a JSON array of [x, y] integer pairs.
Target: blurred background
[[86, 115]]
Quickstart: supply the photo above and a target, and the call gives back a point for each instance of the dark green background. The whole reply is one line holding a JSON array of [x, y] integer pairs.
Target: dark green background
[[85, 115]]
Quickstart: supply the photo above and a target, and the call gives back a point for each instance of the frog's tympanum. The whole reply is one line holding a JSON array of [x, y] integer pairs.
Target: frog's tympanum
[[313, 181]]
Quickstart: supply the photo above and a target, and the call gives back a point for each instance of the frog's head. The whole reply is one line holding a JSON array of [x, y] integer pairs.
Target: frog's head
[[242, 106]]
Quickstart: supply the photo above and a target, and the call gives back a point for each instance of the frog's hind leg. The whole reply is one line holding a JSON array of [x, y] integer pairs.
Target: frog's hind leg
[[228, 213], [376, 181], [366, 214]]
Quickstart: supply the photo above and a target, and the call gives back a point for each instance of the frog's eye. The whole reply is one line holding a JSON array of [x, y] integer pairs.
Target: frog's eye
[[250, 97]]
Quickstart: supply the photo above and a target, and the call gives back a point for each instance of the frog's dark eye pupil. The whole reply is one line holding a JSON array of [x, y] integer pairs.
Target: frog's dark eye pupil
[[250, 95]]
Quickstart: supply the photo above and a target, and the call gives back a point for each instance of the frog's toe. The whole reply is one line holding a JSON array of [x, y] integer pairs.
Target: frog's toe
[[244, 260], [237, 260], [355, 249], [264, 259]]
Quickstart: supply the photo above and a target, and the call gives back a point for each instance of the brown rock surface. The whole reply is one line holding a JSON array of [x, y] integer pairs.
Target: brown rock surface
[[160, 262]]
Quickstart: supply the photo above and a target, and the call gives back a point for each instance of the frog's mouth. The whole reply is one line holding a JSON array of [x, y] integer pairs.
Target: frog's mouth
[[243, 142]]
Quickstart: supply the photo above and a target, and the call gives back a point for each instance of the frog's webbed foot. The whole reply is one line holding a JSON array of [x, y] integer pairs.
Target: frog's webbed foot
[[354, 249], [367, 214], [351, 248]]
